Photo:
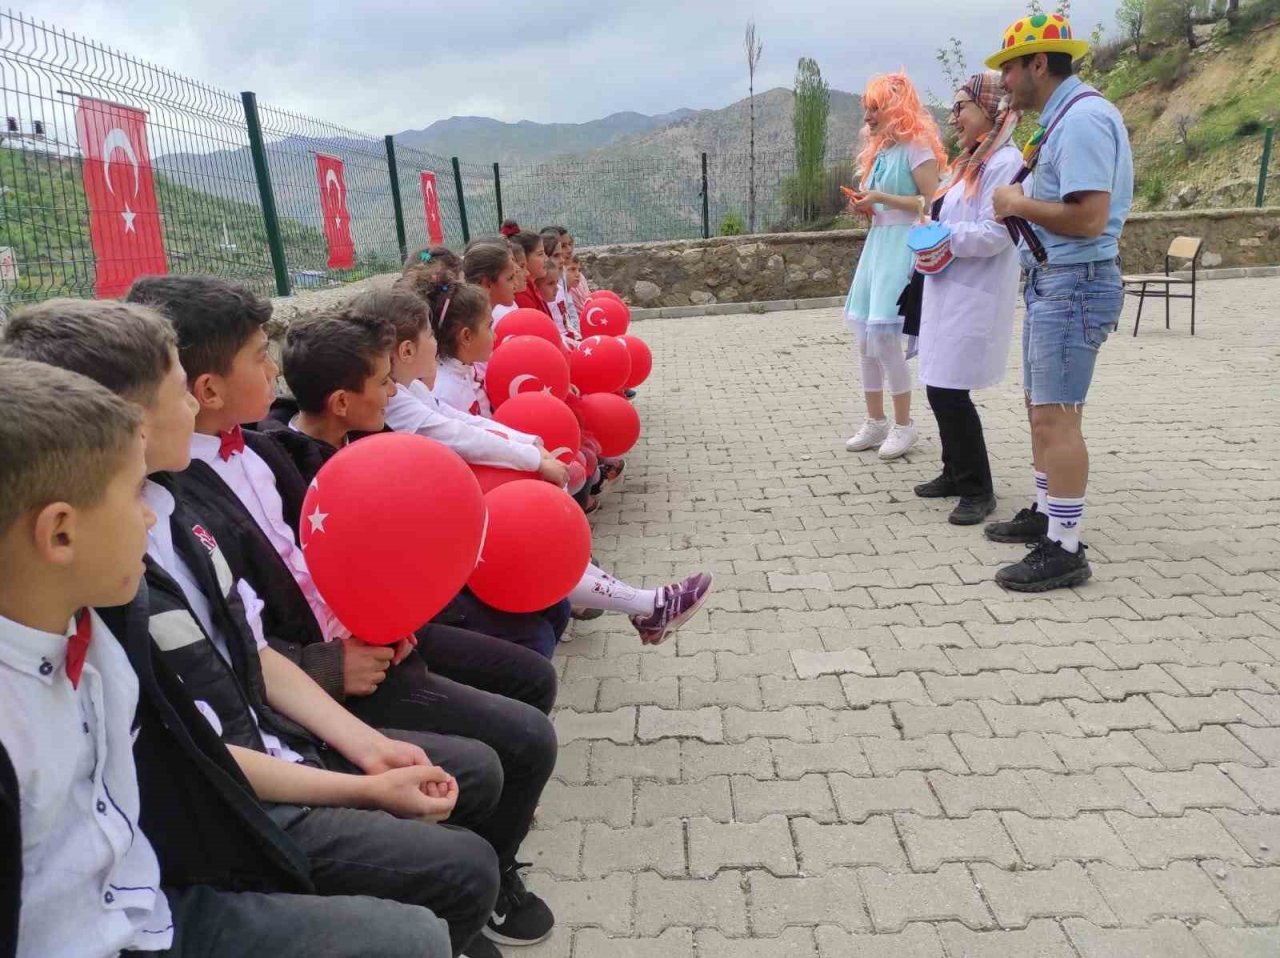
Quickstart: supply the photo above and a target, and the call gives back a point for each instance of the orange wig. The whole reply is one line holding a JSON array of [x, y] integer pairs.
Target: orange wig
[[904, 120]]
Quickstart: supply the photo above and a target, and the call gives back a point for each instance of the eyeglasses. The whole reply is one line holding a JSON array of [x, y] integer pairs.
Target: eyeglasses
[[958, 107]]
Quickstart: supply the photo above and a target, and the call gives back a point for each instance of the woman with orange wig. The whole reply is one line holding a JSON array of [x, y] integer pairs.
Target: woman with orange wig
[[900, 164]]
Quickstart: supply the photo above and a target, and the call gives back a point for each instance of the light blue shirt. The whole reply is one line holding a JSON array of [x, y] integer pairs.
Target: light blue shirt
[[1087, 152]]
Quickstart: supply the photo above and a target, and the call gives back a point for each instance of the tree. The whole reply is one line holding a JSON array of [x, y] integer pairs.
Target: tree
[[812, 108], [753, 50], [1132, 17], [1175, 19]]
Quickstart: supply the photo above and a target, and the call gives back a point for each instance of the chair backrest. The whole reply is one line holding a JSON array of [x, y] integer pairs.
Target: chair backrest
[[1185, 247]]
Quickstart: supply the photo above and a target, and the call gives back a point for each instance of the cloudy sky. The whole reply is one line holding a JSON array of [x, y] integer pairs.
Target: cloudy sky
[[383, 66]]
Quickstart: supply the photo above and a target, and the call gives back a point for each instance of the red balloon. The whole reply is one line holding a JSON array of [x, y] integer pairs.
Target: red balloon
[[641, 360], [536, 548], [546, 417], [607, 294], [526, 322], [577, 477], [601, 365], [525, 364], [491, 477], [604, 317], [383, 555], [613, 421]]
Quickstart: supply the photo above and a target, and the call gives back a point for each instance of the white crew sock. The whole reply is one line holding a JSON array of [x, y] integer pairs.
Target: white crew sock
[[599, 590], [1065, 518], [1042, 493]]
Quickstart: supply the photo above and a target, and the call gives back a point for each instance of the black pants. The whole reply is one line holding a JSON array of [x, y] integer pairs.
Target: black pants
[[538, 631], [426, 693], [449, 868], [210, 923], [964, 450]]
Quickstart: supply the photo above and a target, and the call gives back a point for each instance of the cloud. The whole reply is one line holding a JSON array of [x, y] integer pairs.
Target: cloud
[[380, 66]]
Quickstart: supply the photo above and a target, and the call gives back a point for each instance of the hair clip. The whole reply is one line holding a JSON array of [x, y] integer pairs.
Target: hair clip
[[425, 256]]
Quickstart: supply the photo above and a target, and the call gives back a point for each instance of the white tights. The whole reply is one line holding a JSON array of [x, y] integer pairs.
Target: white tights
[[887, 366], [599, 590]]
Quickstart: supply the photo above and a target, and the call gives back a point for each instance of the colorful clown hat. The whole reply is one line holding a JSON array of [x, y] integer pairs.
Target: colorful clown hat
[[1042, 33]]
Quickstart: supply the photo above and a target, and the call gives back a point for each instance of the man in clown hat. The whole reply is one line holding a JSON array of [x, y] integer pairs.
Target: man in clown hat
[[1076, 202]]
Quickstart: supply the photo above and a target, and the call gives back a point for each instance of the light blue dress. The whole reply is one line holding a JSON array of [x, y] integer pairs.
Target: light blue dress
[[884, 267]]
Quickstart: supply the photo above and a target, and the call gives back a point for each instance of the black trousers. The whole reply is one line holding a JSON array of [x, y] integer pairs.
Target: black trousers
[[476, 687], [449, 868], [210, 923], [964, 450]]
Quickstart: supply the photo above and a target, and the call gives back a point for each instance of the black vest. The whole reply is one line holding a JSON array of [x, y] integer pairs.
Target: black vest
[[10, 857]]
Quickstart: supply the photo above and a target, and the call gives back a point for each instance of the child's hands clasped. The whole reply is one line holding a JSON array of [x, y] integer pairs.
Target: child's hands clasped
[[364, 666], [553, 470]]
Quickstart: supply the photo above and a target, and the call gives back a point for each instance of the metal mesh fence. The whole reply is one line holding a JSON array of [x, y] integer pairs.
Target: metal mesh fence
[[211, 201]]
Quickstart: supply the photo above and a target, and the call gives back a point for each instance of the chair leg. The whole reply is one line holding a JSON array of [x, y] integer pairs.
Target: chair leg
[[1167, 300], [1193, 309], [1142, 297]]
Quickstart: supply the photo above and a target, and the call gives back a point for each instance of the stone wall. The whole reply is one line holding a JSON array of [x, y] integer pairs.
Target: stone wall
[[789, 266]]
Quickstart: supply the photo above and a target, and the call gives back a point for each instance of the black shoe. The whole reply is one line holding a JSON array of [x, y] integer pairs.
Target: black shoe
[[940, 488], [480, 947], [586, 615], [1045, 566], [630, 394], [971, 510], [1029, 525], [519, 916]]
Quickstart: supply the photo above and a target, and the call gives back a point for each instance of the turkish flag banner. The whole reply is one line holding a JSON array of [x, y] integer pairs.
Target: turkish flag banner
[[333, 210], [431, 201], [124, 217]]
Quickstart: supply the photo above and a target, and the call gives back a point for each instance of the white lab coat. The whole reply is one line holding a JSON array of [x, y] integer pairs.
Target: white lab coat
[[966, 316]]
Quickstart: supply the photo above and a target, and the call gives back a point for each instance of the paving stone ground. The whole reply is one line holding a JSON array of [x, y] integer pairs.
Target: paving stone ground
[[865, 748]]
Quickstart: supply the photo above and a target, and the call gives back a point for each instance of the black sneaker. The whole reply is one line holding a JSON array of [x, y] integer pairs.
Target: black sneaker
[[480, 947], [940, 488], [586, 615], [519, 916], [971, 510], [1045, 566], [1029, 525]]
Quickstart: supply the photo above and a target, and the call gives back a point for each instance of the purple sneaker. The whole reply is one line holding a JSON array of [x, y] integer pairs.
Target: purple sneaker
[[680, 601]]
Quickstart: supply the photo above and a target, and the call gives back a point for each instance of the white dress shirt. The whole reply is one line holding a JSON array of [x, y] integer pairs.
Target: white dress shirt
[[91, 882], [481, 441], [161, 550], [254, 484]]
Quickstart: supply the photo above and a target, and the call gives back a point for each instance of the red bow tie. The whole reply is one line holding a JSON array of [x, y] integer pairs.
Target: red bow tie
[[232, 442], [78, 647]]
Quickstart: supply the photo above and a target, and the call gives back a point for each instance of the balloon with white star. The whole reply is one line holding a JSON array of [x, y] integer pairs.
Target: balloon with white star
[[391, 529], [524, 364], [599, 365]]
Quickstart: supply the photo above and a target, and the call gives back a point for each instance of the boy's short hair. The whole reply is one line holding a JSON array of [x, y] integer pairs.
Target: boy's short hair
[[126, 347], [333, 350], [1059, 65], [406, 311], [213, 318], [62, 438]]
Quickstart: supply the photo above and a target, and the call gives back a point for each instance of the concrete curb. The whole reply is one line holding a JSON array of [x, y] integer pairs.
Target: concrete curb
[[829, 302]]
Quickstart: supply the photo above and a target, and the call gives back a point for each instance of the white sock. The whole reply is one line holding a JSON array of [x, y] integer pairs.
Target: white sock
[[1042, 493], [1065, 518], [599, 590]]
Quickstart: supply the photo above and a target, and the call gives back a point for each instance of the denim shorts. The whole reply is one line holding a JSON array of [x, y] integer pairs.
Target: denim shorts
[[1071, 310]]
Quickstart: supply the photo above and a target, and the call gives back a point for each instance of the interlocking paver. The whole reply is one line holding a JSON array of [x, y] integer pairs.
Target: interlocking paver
[[862, 716]]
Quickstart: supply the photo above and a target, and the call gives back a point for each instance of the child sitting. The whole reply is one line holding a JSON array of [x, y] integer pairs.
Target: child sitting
[[464, 334], [535, 264], [74, 524], [549, 289], [248, 491], [492, 267]]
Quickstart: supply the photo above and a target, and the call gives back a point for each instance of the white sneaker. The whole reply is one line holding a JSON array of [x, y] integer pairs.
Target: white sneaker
[[871, 435], [900, 439]]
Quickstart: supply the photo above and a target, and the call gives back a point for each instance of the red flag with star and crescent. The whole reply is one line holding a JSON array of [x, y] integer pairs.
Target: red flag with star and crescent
[[331, 176], [431, 204], [124, 217]]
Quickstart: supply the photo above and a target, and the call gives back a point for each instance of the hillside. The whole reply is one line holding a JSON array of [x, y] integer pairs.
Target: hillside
[[479, 139], [45, 220], [1196, 119]]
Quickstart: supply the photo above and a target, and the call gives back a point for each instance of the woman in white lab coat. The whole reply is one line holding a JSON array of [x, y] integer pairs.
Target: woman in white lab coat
[[966, 317]]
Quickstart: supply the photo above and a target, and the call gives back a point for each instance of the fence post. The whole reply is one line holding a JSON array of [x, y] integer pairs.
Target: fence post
[[394, 173], [462, 203], [1266, 162], [269, 219], [497, 192], [706, 202]]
